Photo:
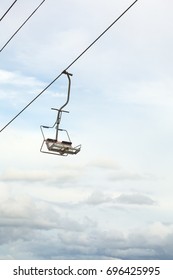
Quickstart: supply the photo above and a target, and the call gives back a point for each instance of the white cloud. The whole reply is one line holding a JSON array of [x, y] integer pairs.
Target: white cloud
[[16, 78], [51, 176], [17, 89], [22, 175]]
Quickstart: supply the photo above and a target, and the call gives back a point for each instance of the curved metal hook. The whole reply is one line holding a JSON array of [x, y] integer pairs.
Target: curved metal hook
[[68, 98], [69, 86]]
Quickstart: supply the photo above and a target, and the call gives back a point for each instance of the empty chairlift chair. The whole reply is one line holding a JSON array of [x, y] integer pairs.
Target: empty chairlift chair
[[55, 146]]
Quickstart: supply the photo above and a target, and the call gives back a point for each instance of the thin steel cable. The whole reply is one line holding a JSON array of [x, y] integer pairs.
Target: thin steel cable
[[22, 26], [69, 66], [8, 10], [102, 34]]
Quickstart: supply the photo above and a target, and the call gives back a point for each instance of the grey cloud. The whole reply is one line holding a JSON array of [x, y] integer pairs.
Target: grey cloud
[[89, 244], [24, 213], [121, 176], [138, 199], [37, 230], [98, 198]]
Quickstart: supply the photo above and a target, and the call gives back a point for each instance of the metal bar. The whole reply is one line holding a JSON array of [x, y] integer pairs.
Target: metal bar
[[69, 86], [64, 111], [60, 110]]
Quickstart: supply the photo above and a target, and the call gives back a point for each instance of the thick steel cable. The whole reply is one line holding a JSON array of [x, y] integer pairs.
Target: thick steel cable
[[69, 65], [21, 26], [8, 10]]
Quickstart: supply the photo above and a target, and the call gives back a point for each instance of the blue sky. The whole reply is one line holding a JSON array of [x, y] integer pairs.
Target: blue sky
[[113, 199]]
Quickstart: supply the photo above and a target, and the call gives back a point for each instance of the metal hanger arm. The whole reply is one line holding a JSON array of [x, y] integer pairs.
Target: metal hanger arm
[[68, 97], [69, 86]]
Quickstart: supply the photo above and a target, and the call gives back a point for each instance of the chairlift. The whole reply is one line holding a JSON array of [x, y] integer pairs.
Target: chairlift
[[56, 146]]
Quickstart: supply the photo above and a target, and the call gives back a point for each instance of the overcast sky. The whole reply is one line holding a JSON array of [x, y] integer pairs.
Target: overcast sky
[[113, 200]]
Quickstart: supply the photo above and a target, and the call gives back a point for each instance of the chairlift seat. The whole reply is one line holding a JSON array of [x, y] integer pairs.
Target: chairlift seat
[[61, 148]]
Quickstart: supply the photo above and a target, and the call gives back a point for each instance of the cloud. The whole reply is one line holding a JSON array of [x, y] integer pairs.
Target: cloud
[[17, 78], [134, 199], [14, 175], [98, 198], [23, 212], [131, 176], [89, 244], [53, 177], [17, 88], [33, 229]]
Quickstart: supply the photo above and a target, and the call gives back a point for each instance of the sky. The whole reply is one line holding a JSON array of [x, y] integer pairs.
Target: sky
[[113, 200]]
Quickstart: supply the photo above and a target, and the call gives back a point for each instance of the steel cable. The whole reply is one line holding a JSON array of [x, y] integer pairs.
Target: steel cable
[[21, 26], [8, 10]]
